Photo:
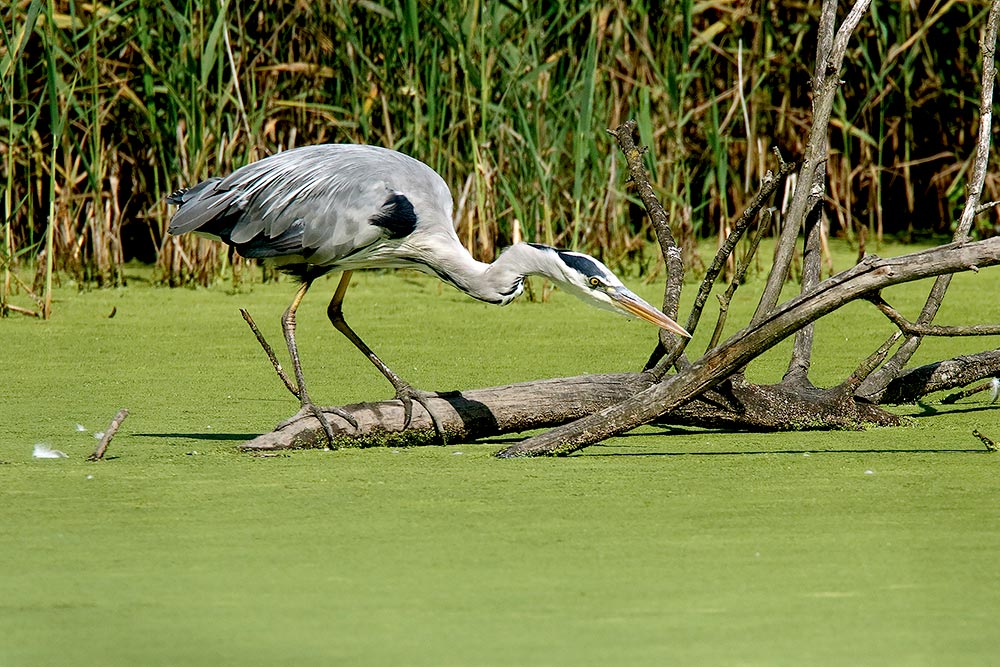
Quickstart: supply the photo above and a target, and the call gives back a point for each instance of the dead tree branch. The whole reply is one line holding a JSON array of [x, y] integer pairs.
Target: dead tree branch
[[815, 157], [918, 382], [870, 275], [741, 269], [991, 386], [913, 329], [769, 185], [866, 367], [109, 433], [625, 136], [990, 445], [465, 416], [801, 359], [269, 351], [879, 380], [483, 413]]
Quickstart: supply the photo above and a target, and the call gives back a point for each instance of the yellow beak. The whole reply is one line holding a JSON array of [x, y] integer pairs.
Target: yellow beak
[[633, 305]]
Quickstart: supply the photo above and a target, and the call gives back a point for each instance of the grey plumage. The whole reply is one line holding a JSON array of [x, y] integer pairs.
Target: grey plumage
[[335, 206]]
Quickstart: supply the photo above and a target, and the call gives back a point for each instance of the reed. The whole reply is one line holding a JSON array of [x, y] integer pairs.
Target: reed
[[109, 107]]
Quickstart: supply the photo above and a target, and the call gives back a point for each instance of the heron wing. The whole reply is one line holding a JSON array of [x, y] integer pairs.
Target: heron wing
[[323, 203]]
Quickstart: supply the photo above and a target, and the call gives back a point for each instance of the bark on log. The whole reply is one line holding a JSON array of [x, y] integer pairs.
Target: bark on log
[[465, 416], [745, 406], [914, 384], [482, 413]]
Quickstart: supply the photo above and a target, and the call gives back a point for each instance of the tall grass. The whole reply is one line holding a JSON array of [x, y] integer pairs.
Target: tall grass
[[109, 107]]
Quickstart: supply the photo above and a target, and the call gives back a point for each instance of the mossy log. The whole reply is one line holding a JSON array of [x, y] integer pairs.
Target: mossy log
[[482, 413]]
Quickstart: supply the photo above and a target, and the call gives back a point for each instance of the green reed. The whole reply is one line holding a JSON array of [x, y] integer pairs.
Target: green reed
[[110, 107]]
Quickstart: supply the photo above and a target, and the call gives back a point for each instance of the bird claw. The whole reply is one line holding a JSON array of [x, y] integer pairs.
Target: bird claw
[[310, 409], [407, 395]]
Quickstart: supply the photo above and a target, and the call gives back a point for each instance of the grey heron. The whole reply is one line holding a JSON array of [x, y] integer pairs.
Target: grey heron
[[342, 207]]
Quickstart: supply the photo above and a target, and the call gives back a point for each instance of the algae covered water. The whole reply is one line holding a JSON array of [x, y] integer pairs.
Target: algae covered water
[[682, 546]]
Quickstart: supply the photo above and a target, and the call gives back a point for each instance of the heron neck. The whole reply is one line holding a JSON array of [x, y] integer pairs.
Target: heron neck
[[500, 281]]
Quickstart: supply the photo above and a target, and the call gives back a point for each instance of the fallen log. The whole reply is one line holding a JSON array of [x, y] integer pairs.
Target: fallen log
[[465, 415], [515, 408]]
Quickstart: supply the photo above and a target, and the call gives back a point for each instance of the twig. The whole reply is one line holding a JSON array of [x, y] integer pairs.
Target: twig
[[742, 266], [5, 262], [990, 445], [867, 366], [270, 353], [916, 329], [109, 433], [656, 364], [768, 187], [982, 208], [965, 393], [23, 311]]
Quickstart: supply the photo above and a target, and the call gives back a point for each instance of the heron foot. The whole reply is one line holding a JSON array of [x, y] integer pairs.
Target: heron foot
[[408, 395], [310, 409]]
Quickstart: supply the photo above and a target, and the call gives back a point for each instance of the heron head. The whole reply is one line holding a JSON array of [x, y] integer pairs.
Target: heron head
[[590, 280]]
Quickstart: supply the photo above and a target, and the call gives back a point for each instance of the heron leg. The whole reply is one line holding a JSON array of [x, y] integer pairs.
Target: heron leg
[[404, 391], [288, 327]]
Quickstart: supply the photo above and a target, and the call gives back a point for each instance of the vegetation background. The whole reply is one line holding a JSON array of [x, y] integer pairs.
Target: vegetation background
[[788, 548], [108, 107]]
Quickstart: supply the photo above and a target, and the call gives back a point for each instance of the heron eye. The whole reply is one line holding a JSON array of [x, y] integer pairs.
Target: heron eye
[[595, 281]]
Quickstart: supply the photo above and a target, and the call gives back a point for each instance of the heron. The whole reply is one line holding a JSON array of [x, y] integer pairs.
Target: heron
[[313, 210]]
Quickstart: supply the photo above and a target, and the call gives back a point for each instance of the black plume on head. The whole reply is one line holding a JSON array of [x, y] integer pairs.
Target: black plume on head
[[574, 260]]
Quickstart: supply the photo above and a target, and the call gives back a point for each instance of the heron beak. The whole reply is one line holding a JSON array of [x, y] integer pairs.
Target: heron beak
[[633, 305]]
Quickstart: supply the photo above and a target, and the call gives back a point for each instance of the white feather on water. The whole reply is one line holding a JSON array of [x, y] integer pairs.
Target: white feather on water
[[45, 452]]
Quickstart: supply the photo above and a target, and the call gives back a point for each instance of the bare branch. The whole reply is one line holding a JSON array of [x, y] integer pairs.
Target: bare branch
[[741, 269], [467, 415], [873, 361], [22, 311], [769, 185], [481, 413], [801, 359], [269, 351], [879, 381], [987, 442], [918, 382], [972, 391], [625, 135], [911, 329], [871, 274], [109, 433], [805, 195]]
